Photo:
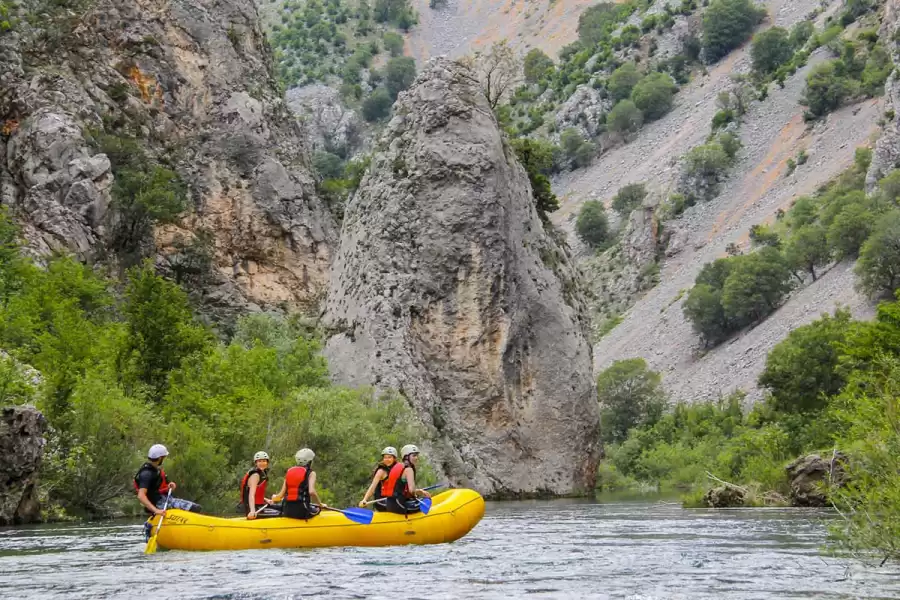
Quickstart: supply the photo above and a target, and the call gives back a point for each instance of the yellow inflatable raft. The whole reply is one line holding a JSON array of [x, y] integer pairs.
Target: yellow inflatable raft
[[453, 514]]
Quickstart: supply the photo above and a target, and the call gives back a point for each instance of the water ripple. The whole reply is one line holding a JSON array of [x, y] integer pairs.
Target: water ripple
[[558, 549]]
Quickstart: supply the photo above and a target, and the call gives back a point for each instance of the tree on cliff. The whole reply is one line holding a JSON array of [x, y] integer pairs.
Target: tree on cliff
[[498, 70]]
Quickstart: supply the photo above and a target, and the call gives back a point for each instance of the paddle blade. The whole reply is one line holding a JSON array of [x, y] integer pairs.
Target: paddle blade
[[425, 505], [151, 546], [359, 515]]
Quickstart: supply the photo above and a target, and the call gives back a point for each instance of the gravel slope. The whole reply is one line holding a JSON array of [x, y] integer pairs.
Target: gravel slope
[[772, 132]]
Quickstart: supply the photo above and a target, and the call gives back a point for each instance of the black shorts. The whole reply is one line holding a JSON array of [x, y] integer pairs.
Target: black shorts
[[299, 510], [404, 507]]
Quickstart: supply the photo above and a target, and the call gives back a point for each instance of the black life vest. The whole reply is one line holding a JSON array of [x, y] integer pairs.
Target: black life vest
[[387, 471], [160, 485], [260, 497]]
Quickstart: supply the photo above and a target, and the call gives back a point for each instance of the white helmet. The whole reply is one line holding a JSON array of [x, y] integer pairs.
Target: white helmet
[[157, 451], [260, 456], [304, 456], [389, 451], [408, 449]]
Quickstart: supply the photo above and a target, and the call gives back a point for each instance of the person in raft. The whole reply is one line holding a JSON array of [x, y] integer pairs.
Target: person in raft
[[153, 487], [299, 489], [253, 489], [382, 470], [399, 488]]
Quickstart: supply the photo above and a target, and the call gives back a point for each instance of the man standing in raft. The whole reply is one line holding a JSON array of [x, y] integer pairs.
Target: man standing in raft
[[253, 489], [152, 487], [299, 488]]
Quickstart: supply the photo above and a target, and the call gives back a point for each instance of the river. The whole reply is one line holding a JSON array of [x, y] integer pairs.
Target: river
[[638, 550]]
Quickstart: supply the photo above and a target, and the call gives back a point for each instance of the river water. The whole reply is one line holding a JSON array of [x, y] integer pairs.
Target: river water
[[553, 549]]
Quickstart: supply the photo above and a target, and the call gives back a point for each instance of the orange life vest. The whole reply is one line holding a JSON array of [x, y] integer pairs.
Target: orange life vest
[[297, 484], [392, 486]]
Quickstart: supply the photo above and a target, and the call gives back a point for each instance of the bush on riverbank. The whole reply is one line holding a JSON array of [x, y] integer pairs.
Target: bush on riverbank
[[121, 371], [834, 384]]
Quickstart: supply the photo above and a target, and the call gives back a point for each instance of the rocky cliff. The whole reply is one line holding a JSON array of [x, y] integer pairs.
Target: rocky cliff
[[21, 450], [447, 288], [887, 150], [190, 81]]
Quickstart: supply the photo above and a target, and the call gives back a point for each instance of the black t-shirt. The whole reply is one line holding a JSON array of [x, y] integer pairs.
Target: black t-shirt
[[149, 479]]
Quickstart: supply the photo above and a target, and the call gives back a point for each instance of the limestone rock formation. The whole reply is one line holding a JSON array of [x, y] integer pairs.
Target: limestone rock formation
[[810, 477], [887, 150], [447, 288], [21, 450], [329, 125], [192, 83], [584, 111]]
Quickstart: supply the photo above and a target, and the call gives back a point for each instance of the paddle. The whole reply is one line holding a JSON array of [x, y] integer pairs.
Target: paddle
[[151, 543], [358, 515], [425, 505], [430, 487]]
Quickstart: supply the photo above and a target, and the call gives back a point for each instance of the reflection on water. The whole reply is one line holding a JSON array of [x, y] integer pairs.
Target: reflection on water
[[538, 549]]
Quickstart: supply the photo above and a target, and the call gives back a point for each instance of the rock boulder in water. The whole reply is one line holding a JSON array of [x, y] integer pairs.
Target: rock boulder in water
[[21, 450], [448, 288], [811, 476]]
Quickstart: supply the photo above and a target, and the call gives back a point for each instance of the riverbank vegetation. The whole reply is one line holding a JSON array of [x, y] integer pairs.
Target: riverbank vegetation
[[116, 366], [832, 386]]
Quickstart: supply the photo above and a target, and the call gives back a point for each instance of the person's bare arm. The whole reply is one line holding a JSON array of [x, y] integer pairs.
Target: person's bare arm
[[143, 499]]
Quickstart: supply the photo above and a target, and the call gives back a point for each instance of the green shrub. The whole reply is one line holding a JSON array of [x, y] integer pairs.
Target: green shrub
[[597, 21], [827, 88], [625, 118], [400, 73], [393, 43], [630, 396], [628, 198], [850, 229], [377, 106], [756, 286], [622, 81], [878, 68], [722, 118], [727, 24], [536, 65], [578, 151], [328, 165], [800, 33], [537, 157], [592, 224], [771, 49], [760, 235], [801, 371], [878, 267], [654, 94]]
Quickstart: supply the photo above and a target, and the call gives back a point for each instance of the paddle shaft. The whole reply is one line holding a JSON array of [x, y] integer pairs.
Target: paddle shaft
[[163, 516], [430, 487]]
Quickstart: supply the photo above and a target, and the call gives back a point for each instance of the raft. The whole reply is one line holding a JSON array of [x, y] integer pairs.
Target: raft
[[453, 514]]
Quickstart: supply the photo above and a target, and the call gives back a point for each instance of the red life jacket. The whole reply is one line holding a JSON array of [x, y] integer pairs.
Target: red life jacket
[[297, 484], [259, 499], [392, 486], [161, 484]]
